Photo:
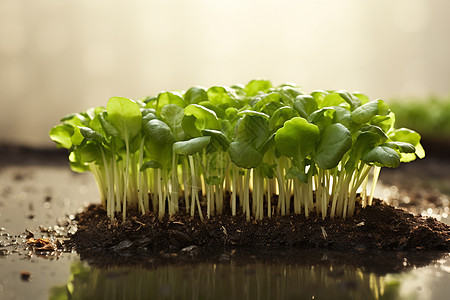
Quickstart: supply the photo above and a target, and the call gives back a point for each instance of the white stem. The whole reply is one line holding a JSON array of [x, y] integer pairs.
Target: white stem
[[376, 174], [247, 193]]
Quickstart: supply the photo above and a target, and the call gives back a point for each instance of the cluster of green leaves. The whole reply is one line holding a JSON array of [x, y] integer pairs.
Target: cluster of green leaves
[[429, 116], [188, 149]]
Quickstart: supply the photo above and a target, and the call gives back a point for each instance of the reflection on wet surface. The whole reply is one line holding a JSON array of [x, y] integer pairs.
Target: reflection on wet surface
[[252, 281], [39, 197]]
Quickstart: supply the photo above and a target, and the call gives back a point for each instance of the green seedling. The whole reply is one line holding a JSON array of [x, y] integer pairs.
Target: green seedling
[[269, 150]]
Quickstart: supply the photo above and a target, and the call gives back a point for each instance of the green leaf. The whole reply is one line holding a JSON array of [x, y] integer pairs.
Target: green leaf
[[366, 112], [256, 86], [322, 117], [352, 100], [362, 97], [220, 112], [125, 115], [150, 165], [288, 94], [408, 136], [90, 153], [377, 130], [77, 137], [268, 104], [76, 165], [248, 112], [108, 127], [191, 146], [149, 101], [172, 115], [386, 123], [62, 135], [343, 117], [159, 132], [280, 116], [252, 129], [297, 138], [382, 156], [165, 98], [305, 105], [405, 135], [268, 171], [91, 135], [365, 141], [159, 140], [334, 99], [294, 172], [319, 96], [214, 180], [222, 97], [218, 136], [196, 118], [148, 114], [76, 120], [334, 142], [400, 146], [95, 124], [195, 95], [67, 117], [244, 155]]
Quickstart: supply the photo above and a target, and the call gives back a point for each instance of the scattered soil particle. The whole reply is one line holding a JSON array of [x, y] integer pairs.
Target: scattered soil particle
[[25, 276], [43, 245], [30, 234], [375, 228]]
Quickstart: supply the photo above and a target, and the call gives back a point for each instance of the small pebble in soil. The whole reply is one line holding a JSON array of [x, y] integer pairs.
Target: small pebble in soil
[[123, 245], [224, 257], [190, 250], [360, 248], [4, 252]]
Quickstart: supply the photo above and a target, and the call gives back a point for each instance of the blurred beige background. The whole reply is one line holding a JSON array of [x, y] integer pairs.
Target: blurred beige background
[[63, 56]]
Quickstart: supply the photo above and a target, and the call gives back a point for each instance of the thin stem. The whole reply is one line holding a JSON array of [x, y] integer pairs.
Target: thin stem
[[110, 187], [141, 184], [281, 196], [269, 199], [234, 186], [376, 174], [195, 190], [184, 165], [247, 193], [125, 190], [173, 205]]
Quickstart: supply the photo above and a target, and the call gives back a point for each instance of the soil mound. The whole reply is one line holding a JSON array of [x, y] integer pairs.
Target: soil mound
[[377, 227]]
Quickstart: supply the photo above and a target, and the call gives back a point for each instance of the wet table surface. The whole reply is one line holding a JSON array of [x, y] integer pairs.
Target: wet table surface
[[41, 195]]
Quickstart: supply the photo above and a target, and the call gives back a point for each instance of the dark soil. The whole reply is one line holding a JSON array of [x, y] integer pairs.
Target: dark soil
[[374, 229], [377, 227]]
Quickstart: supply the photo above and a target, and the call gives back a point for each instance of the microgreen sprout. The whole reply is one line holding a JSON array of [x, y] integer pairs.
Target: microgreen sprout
[[265, 150]]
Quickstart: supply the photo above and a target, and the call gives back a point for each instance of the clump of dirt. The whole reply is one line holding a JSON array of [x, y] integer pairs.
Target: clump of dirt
[[377, 227]]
